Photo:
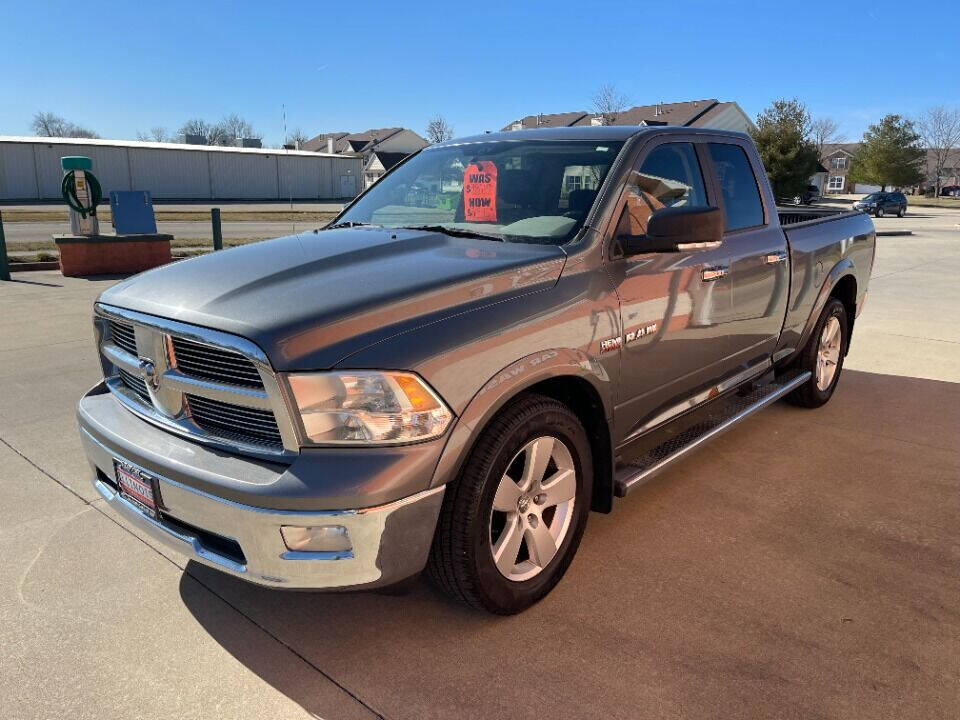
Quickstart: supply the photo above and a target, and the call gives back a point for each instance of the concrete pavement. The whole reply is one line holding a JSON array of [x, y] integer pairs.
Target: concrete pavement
[[806, 565]]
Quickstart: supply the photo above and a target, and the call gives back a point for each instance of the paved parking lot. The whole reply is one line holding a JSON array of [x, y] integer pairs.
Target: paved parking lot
[[806, 565]]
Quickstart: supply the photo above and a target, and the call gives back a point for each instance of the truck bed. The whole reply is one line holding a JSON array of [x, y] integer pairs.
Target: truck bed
[[797, 215], [819, 240]]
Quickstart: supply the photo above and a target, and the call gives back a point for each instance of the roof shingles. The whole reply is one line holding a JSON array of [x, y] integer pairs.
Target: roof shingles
[[688, 113]]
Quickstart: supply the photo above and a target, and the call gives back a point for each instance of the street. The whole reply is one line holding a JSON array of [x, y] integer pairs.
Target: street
[[20, 234]]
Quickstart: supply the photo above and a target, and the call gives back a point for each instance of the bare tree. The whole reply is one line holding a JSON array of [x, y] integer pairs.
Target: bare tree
[[439, 130], [47, 124], [235, 127], [218, 134], [609, 102], [224, 132], [824, 131], [939, 127], [195, 126], [156, 134], [296, 137]]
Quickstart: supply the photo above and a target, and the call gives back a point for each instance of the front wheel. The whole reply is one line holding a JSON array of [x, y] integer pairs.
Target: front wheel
[[823, 357], [880, 212], [511, 523]]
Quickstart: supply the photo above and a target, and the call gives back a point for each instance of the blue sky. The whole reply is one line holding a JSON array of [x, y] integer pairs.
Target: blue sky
[[350, 67]]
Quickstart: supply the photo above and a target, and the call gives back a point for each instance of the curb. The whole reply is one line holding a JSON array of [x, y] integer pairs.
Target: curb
[[24, 267], [893, 233]]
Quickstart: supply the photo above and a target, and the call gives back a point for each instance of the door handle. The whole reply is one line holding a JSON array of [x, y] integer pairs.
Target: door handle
[[713, 273], [774, 258]]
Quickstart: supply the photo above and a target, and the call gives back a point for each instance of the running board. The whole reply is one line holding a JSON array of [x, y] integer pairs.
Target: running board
[[636, 472]]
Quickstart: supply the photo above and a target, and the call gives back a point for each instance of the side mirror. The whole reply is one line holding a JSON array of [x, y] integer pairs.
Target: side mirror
[[677, 229]]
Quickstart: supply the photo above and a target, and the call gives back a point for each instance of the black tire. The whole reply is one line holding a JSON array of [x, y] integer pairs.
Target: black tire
[[461, 561], [902, 211], [808, 394], [879, 212]]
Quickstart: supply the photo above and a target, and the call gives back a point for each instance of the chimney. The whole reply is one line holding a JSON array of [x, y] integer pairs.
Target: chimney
[[330, 145]]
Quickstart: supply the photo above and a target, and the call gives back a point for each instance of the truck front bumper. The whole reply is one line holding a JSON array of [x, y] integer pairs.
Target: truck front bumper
[[388, 542]]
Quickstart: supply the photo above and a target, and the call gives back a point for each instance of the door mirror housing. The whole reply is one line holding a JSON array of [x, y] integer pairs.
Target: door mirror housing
[[677, 229]]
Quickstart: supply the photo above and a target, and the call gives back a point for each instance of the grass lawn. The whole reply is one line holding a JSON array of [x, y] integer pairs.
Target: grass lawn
[[943, 202], [103, 213]]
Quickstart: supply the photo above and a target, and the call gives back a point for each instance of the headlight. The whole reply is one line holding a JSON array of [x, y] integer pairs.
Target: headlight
[[367, 407]]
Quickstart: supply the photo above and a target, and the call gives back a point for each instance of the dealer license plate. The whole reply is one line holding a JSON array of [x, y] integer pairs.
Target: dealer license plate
[[137, 487]]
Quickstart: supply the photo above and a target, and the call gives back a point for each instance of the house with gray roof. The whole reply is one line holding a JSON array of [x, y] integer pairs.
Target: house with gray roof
[[709, 113], [381, 148], [838, 158]]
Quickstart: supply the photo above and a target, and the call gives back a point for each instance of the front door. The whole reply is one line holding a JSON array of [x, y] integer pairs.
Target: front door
[[348, 186], [674, 306], [759, 263]]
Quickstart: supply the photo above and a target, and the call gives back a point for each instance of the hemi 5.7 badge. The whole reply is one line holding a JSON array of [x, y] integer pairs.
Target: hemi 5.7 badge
[[640, 332], [616, 343]]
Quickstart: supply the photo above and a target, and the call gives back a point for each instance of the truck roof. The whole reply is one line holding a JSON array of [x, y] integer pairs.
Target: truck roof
[[588, 132]]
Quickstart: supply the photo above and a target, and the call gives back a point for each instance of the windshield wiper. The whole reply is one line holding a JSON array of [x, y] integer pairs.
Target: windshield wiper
[[453, 232], [348, 224]]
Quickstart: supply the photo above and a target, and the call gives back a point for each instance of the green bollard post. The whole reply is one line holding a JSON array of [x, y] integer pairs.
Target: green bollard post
[[4, 266], [217, 232]]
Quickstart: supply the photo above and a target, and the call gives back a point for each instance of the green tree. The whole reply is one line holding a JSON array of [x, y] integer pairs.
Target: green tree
[[783, 140], [890, 154]]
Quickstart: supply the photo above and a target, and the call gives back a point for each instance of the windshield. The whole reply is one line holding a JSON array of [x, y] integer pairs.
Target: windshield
[[874, 196], [514, 190]]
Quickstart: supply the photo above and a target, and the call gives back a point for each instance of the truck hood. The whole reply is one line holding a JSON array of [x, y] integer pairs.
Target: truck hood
[[312, 299]]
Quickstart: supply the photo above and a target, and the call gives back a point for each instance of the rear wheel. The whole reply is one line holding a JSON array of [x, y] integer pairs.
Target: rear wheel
[[512, 522], [823, 357], [902, 211]]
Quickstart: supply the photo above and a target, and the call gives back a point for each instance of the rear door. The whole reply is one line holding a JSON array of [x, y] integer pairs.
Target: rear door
[[674, 306], [759, 263]]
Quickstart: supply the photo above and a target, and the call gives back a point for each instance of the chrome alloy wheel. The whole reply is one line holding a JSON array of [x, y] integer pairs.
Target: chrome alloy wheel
[[533, 508], [828, 354]]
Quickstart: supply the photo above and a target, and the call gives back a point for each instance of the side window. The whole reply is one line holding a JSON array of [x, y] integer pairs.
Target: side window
[[670, 176], [742, 207]]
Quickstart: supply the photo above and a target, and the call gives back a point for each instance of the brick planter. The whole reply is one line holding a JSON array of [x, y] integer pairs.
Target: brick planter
[[106, 254]]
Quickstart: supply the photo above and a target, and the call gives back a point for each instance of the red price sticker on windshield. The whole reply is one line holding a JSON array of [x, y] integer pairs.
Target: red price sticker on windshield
[[480, 192]]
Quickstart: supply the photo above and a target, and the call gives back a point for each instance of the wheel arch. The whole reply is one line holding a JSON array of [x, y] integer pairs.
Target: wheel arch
[[841, 279], [845, 290], [566, 375]]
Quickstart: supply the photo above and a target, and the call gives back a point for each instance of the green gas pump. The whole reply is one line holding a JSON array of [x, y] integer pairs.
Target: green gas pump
[[82, 193]]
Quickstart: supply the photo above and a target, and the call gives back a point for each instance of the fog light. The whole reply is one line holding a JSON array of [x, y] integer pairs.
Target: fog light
[[325, 538]]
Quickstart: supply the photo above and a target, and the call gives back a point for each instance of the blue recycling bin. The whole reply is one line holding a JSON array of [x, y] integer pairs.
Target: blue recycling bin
[[132, 212]]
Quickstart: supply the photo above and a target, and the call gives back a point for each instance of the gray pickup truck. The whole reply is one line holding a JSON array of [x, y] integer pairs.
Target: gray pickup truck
[[502, 334]]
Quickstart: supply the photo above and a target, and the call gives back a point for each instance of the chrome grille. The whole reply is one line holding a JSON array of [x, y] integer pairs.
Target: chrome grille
[[214, 363], [122, 335], [134, 383], [205, 384], [234, 421]]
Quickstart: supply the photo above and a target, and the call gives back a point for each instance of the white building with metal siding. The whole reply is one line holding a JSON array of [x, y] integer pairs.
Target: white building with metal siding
[[30, 170]]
